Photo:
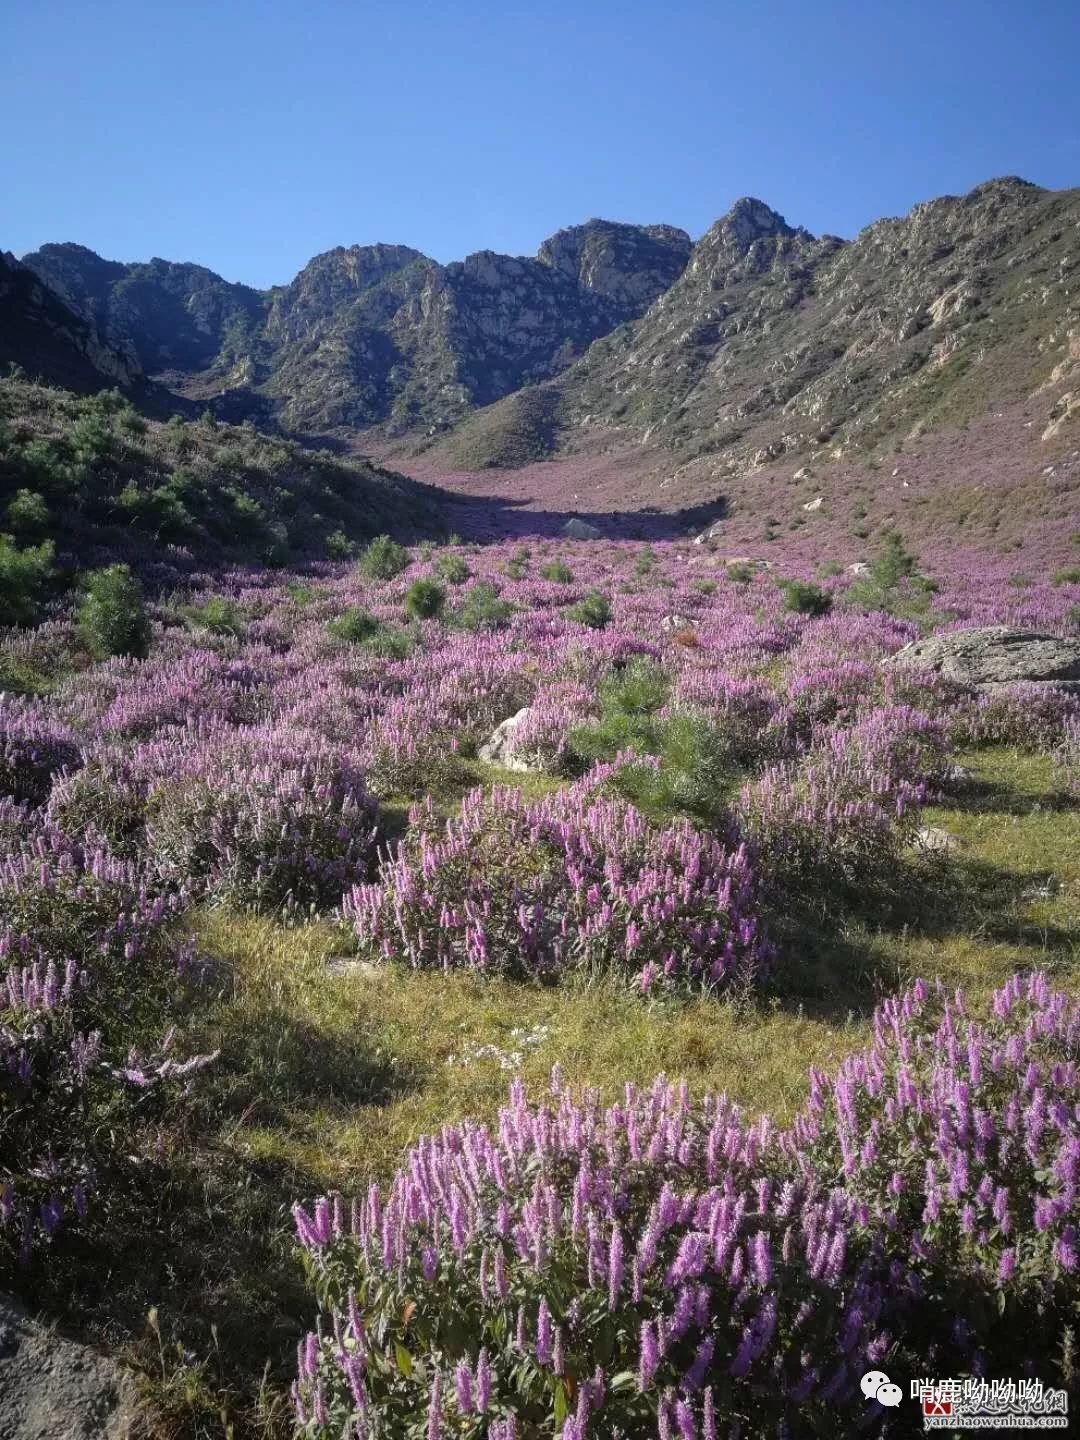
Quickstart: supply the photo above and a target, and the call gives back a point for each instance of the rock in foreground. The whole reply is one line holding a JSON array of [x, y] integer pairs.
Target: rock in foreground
[[994, 655], [57, 1389]]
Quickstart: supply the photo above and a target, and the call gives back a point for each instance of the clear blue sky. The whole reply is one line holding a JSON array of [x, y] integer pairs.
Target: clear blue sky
[[250, 136]]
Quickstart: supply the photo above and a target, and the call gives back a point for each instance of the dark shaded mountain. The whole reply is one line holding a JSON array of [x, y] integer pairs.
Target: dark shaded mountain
[[164, 316], [51, 341], [375, 333]]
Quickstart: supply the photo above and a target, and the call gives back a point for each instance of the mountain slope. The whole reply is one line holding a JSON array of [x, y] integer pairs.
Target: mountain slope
[[775, 343]]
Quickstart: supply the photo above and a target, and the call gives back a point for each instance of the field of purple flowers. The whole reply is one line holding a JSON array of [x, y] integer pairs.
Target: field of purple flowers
[[713, 821]]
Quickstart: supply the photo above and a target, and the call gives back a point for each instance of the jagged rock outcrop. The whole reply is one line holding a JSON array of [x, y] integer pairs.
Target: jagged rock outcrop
[[630, 264], [760, 342], [164, 316], [774, 343]]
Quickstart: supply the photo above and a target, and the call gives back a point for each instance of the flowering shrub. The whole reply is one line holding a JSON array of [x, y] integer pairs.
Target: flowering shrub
[[845, 805], [106, 799], [87, 954], [262, 817], [957, 1138], [33, 749], [577, 879], [1028, 716], [661, 1267]]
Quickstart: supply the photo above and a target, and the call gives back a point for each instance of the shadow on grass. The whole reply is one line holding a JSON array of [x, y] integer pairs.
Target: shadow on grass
[[833, 961], [990, 797], [194, 1221]]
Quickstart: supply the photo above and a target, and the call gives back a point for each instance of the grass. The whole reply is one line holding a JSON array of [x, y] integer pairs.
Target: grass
[[327, 1073]]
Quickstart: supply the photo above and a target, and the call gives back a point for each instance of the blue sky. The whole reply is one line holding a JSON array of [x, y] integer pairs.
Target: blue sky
[[250, 136]]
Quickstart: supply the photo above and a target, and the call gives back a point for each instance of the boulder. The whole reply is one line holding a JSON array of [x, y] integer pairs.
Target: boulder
[[576, 529], [496, 750], [994, 655], [52, 1388], [815, 504]]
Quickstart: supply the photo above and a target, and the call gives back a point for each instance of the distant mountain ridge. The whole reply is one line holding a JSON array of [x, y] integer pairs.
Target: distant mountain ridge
[[372, 334], [759, 341]]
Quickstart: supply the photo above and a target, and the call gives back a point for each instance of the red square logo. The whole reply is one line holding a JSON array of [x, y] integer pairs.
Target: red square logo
[[931, 1405]]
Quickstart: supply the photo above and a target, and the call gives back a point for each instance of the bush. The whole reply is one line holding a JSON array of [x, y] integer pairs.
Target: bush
[[893, 582], [355, 625], [87, 955], [105, 799], [517, 567], [482, 609], [383, 559], [841, 811], [391, 642], [574, 881], [217, 614], [644, 561], [629, 699], [739, 573], [24, 575], [805, 599], [594, 611], [33, 750], [1070, 575], [262, 818], [28, 513], [703, 587], [424, 600], [452, 569], [667, 1267], [558, 571], [339, 546], [112, 616]]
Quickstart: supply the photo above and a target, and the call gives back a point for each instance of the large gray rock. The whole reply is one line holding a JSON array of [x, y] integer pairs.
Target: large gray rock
[[57, 1389], [576, 529], [497, 750], [994, 655]]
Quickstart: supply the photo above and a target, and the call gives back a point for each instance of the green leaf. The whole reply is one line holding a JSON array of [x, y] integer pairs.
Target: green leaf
[[404, 1359], [562, 1405], [625, 1380]]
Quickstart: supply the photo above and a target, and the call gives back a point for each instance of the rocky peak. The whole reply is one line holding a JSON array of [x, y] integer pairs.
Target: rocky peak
[[749, 220], [629, 264]]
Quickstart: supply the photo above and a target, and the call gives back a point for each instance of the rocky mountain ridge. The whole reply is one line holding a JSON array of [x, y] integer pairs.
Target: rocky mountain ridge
[[373, 334], [760, 341]]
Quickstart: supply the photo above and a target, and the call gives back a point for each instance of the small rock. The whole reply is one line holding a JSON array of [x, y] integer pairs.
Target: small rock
[[933, 838], [859, 568], [498, 748], [352, 965], [803, 473], [674, 622], [815, 504]]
